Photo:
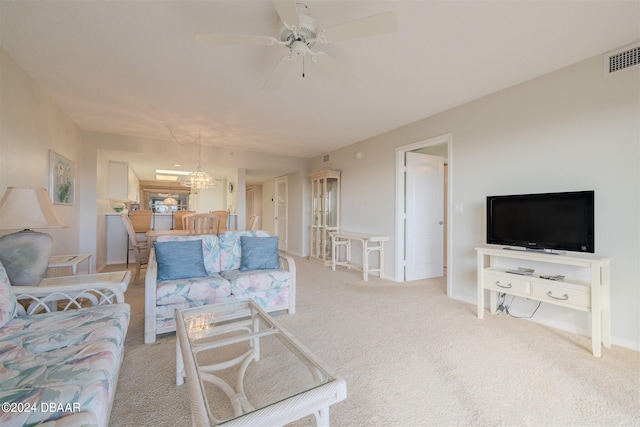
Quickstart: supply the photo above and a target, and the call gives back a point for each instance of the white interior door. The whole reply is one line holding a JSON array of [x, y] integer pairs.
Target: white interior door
[[281, 222], [249, 201], [249, 205], [424, 230]]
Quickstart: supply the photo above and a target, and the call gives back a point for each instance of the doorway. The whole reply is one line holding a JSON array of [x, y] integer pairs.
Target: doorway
[[443, 145], [282, 212]]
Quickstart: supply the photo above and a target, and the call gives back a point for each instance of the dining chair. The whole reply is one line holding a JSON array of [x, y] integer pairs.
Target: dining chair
[[203, 223], [140, 247], [178, 218], [253, 222], [185, 220], [224, 216], [141, 221]]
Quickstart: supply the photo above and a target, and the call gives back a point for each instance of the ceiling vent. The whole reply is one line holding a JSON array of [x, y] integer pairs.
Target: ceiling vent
[[622, 59], [326, 158]]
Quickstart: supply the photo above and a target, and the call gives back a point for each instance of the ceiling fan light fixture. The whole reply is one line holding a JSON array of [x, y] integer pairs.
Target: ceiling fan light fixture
[[305, 31], [298, 48]]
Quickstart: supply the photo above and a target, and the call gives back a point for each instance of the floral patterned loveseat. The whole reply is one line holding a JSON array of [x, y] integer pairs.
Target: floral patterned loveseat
[[60, 368], [221, 278]]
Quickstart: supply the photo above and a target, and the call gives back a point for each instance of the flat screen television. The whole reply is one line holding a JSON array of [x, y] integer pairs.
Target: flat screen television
[[549, 221]]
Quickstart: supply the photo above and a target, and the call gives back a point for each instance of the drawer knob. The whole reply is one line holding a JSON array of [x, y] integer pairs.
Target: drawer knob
[[562, 298], [507, 286]]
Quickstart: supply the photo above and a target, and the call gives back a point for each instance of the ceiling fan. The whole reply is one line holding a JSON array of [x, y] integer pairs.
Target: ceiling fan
[[299, 34]]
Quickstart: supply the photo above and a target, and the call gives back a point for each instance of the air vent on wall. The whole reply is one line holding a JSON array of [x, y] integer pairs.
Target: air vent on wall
[[326, 158], [621, 59]]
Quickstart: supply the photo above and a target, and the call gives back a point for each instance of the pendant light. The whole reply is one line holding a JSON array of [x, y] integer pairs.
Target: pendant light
[[170, 201], [198, 180]]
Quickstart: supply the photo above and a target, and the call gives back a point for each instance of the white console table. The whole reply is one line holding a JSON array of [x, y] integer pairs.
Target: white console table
[[590, 296], [370, 244]]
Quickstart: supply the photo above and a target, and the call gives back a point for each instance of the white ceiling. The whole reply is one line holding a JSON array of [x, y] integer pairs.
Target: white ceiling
[[134, 67]]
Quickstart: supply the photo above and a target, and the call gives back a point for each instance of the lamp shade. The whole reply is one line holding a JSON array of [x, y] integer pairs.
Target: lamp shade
[[199, 180], [27, 208], [25, 254], [170, 201]]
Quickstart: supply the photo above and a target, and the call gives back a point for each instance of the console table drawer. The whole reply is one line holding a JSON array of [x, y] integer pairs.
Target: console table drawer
[[506, 283], [559, 293]]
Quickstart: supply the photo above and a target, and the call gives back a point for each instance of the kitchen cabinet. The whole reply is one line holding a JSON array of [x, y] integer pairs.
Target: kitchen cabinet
[[123, 183]]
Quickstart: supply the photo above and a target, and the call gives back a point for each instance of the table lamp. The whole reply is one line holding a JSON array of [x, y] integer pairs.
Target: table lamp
[[25, 254]]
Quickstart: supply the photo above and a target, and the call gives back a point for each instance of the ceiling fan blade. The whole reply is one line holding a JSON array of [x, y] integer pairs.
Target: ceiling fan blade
[[233, 39], [363, 27], [333, 67], [279, 73], [288, 12]]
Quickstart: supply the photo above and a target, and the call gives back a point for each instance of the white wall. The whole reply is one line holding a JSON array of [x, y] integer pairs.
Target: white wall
[[212, 199], [298, 219], [568, 130], [30, 125], [232, 198]]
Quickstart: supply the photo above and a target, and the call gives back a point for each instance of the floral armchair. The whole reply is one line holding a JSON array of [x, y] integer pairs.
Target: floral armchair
[[60, 367]]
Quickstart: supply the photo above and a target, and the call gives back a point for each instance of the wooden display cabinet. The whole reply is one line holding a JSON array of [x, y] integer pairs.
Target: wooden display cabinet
[[325, 213]]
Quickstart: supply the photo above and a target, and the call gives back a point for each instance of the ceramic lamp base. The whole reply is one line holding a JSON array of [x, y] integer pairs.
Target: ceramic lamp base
[[25, 256]]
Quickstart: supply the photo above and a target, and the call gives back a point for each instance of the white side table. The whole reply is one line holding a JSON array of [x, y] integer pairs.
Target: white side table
[[72, 261], [120, 279]]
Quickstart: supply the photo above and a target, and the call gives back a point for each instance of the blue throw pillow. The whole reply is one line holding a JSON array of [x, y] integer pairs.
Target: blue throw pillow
[[259, 253], [179, 260]]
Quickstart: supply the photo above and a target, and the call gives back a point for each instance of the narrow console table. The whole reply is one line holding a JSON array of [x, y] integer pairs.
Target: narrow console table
[[370, 244], [590, 296]]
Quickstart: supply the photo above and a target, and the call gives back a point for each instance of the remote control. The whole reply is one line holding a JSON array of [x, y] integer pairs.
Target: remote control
[[520, 272], [558, 277]]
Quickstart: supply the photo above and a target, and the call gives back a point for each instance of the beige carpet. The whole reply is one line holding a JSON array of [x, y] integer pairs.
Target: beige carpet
[[411, 357]]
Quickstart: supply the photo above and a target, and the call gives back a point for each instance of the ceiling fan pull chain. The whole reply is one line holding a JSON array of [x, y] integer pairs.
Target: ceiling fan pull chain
[[303, 67]]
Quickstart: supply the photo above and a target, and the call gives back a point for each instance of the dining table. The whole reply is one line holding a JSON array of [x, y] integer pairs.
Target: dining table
[[152, 235]]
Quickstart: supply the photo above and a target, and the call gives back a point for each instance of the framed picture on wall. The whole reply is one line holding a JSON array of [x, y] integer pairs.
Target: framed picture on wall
[[62, 179]]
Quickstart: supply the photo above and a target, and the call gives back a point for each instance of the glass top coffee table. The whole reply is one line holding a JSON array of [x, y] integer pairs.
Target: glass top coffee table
[[244, 369]]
